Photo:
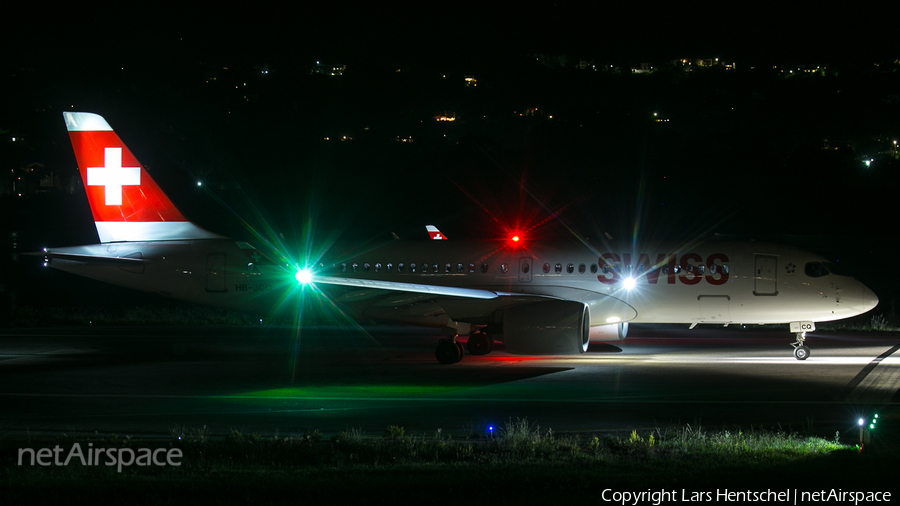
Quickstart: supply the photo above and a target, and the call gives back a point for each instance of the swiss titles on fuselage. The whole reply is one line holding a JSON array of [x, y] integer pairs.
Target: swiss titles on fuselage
[[689, 268]]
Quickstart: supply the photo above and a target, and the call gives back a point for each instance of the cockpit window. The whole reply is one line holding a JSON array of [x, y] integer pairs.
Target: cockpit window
[[835, 269], [815, 269]]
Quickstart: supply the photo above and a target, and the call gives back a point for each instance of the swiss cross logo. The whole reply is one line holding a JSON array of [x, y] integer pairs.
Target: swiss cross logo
[[112, 176], [437, 236]]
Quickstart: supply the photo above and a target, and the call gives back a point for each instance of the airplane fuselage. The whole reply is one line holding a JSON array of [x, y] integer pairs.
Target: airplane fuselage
[[715, 282]]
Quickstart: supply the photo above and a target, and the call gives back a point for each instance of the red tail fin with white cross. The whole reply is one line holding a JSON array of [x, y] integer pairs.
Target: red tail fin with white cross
[[126, 203], [434, 233]]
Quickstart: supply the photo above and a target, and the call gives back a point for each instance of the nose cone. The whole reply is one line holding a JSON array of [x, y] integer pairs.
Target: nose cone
[[869, 299]]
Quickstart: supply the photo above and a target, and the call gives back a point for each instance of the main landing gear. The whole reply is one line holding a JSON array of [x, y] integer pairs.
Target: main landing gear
[[451, 351], [479, 343], [801, 351]]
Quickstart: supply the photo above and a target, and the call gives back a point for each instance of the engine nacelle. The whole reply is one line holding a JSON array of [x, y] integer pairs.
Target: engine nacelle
[[611, 332], [553, 327]]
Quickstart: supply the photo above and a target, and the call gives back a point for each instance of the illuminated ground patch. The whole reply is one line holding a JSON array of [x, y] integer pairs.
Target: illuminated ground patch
[[354, 391]]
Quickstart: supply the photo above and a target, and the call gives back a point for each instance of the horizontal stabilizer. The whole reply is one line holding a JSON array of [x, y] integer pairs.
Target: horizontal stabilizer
[[75, 257]]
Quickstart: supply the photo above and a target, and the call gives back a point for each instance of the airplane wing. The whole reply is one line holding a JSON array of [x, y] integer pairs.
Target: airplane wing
[[468, 293]]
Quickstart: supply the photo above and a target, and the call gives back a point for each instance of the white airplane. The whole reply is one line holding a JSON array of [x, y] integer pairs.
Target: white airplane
[[535, 298]]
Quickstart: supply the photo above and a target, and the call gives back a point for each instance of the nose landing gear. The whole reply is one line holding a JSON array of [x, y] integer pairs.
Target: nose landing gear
[[801, 351]]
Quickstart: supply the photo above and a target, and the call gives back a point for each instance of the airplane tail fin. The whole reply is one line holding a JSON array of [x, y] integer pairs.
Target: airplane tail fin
[[434, 233], [126, 203]]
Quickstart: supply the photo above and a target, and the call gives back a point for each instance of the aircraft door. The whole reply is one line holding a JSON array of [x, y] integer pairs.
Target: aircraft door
[[215, 272], [525, 270], [766, 275]]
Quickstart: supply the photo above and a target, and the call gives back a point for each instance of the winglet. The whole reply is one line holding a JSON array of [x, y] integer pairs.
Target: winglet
[[434, 233]]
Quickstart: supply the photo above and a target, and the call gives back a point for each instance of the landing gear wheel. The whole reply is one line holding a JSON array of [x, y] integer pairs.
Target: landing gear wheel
[[801, 352], [462, 350], [479, 344], [448, 352]]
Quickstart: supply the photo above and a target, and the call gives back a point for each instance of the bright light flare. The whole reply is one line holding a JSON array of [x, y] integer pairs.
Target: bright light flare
[[629, 283], [304, 276], [515, 238]]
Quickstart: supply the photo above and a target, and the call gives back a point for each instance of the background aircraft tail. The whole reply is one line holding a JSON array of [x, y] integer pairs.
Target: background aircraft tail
[[126, 203]]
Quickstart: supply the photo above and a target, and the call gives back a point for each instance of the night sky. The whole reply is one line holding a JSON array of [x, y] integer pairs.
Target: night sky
[[228, 98]]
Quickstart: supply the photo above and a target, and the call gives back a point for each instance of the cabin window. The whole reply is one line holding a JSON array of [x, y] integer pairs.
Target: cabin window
[[459, 268], [377, 267], [447, 268], [525, 268], [701, 269], [593, 268], [412, 267], [424, 268], [400, 267], [570, 268], [546, 268], [712, 269], [471, 268], [580, 268], [355, 266], [434, 268], [557, 268], [605, 269], [366, 266], [677, 268], [504, 268], [390, 267], [725, 269], [484, 268]]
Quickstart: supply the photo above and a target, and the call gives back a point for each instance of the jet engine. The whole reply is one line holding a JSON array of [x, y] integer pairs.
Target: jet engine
[[612, 332], [553, 327]]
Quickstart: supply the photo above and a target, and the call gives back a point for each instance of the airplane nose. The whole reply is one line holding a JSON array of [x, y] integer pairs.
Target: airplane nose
[[869, 299]]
